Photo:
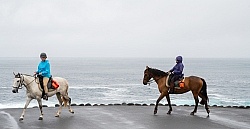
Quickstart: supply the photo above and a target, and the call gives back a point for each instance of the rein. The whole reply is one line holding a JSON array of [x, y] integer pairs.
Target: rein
[[151, 80], [22, 81]]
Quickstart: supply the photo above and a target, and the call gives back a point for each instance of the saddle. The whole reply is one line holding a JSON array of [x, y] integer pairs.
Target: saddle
[[178, 83], [52, 84]]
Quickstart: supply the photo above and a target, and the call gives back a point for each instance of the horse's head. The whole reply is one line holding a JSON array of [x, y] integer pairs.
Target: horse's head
[[153, 73], [17, 83], [147, 75]]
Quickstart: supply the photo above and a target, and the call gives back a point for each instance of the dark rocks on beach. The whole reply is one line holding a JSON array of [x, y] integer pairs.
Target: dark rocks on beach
[[88, 104], [117, 104], [35, 107], [95, 105], [102, 104], [186, 105], [137, 104], [124, 104], [110, 104], [56, 105], [45, 105], [152, 104], [144, 104], [73, 105], [130, 104], [160, 104], [241, 107], [81, 104]]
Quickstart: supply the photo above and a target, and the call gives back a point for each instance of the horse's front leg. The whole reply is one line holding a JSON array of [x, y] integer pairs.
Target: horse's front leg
[[157, 102], [25, 107], [169, 104], [40, 107]]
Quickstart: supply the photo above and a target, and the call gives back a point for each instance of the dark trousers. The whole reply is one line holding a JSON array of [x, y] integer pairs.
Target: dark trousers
[[174, 78]]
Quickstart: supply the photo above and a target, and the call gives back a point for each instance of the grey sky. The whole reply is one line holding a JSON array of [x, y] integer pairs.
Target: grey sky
[[125, 28]]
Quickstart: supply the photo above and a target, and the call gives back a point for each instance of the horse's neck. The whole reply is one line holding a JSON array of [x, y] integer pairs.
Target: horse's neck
[[159, 79], [29, 82]]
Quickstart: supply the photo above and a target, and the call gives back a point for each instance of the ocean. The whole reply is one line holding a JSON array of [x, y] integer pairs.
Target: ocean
[[119, 80]]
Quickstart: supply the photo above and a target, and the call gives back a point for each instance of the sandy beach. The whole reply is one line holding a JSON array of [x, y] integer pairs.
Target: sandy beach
[[124, 117]]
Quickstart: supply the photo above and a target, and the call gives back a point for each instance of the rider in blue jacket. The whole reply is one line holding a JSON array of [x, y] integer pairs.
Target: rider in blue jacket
[[176, 72], [43, 71]]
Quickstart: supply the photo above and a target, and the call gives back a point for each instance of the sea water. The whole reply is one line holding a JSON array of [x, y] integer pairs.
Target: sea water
[[119, 80]]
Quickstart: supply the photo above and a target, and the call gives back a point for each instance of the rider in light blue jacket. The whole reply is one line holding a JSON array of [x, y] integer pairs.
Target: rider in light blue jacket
[[43, 72], [44, 69]]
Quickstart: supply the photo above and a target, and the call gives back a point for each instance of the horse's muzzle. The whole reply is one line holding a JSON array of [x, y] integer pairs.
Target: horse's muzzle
[[145, 83], [14, 90]]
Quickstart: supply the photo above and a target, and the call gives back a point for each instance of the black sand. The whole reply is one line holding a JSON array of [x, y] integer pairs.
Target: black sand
[[132, 117]]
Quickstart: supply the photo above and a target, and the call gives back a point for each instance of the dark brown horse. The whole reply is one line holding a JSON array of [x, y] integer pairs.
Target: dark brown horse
[[195, 84]]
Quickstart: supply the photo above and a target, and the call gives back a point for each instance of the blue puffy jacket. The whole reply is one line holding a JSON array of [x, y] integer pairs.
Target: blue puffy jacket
[[44, 68], [177, 69]]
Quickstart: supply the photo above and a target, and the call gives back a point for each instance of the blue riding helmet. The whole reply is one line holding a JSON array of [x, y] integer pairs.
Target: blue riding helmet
[[178, 58]]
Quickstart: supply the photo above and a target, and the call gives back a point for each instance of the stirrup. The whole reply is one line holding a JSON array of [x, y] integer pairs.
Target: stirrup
[[45, 97]]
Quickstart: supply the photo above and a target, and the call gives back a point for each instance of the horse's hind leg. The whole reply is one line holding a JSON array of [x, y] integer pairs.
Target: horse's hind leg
[[58, 95], [204, 101], [195, 95], [68, 99]]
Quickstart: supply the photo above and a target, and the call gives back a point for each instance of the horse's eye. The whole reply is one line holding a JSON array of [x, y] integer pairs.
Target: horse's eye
[[18, 81]]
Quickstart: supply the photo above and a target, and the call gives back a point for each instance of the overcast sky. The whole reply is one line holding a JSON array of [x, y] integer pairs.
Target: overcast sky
[[125, 28]]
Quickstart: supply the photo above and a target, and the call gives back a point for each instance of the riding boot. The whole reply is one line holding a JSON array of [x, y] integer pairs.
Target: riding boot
[[171, 90], [45, 97]]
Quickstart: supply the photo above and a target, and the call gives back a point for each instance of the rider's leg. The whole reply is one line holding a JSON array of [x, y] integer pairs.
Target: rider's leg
[[45, 83], [173, 79]]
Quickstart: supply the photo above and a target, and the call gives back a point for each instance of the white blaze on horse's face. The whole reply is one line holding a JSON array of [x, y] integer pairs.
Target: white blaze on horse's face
[[16, 84]]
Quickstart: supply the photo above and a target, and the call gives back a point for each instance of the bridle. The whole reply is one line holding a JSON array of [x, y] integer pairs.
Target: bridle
[[152, 80], [21, 81]]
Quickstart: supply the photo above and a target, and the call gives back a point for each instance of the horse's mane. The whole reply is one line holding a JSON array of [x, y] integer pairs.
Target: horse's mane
[[157, 72]]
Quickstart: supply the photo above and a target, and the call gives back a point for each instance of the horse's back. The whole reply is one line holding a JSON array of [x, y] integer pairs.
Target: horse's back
[[193, 82], [62, 81]]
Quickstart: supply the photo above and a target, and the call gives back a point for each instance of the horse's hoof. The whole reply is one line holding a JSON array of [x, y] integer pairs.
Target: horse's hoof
[[71, 111], [155, 112], [192, 113], [168, 112], [56, 115], [20, 119], [40, 118], [208, 111]]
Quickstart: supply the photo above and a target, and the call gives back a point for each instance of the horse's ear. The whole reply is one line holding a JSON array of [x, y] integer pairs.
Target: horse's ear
[[14, 73], [147, 67]]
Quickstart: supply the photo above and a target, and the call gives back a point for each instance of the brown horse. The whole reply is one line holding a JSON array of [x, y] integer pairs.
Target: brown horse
[[195, 84]]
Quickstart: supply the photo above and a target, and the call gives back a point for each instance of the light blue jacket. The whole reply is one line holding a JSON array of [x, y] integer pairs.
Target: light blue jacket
[[44, 68]]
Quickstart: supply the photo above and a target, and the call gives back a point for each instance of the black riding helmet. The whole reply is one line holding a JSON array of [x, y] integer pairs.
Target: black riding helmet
[[43, 55]]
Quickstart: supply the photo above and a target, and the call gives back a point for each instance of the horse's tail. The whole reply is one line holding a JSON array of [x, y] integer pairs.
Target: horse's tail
[[65, 102], [204, 92]]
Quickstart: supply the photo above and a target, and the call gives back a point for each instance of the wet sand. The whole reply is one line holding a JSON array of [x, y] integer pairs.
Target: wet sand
[[129, 117]]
